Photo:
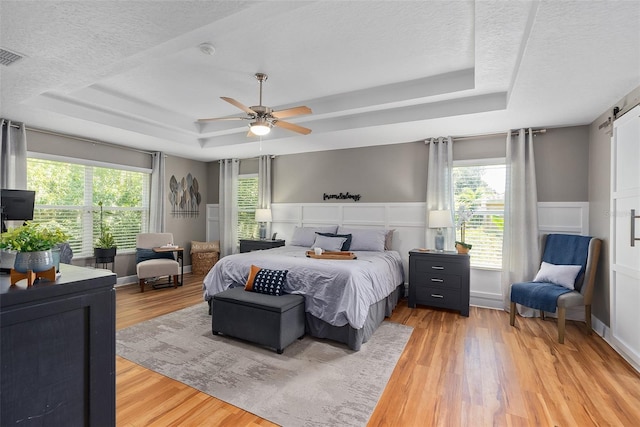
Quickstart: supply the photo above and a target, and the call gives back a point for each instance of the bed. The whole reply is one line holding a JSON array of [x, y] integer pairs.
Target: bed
[[345, 300]]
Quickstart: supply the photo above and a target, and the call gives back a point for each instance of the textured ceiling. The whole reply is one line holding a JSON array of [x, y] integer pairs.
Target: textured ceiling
[[373, 72]]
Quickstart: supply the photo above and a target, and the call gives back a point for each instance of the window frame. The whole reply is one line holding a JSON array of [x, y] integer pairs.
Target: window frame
[[490, 161], [240, 177], [88, 209]]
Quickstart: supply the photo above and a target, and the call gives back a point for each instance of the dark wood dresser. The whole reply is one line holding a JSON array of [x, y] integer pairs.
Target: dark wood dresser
[[439, 279], [58, 350]]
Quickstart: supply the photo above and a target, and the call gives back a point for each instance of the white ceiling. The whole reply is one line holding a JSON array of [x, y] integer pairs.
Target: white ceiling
[[373, 72]]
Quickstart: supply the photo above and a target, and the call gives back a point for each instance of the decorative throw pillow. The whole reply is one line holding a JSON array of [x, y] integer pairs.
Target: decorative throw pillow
[[365, 239], [388, 240], [143, 254], [305, 236], [266, 281], [564, 275], [346, 244]]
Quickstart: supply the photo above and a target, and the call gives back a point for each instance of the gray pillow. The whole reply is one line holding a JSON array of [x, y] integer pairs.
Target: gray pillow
[[328, 243], [366, 239], [305, 236]]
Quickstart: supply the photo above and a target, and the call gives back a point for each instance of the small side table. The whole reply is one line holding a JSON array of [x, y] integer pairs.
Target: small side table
[[179, 254], [248, 245]]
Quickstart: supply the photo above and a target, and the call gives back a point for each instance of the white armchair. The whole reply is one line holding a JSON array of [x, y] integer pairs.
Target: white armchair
[[155, 264]]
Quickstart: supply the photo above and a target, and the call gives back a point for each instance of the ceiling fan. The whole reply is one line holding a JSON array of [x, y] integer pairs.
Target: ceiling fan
[[263, 118]]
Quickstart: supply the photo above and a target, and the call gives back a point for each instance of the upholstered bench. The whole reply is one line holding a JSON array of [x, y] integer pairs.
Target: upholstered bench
[[272, 321]]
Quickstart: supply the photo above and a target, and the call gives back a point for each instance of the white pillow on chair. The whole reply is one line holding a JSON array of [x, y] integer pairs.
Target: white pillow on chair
[[564, 275]]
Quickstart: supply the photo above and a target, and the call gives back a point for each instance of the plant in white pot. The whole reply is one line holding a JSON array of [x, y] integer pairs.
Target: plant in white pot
[[33, 243]]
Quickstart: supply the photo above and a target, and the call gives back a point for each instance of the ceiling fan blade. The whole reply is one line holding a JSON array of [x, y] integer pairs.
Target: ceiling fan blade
[[291, 126], [290, 112], [239, 105], [215, 119]]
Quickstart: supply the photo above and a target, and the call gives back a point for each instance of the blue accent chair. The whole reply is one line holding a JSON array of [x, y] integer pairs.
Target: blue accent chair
[[561, 249]]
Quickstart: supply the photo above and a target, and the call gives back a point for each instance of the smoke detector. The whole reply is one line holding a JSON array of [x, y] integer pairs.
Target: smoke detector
[[207, 48]]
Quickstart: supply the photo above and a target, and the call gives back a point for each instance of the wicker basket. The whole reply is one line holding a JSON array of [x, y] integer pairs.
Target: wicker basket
[[204, 256]]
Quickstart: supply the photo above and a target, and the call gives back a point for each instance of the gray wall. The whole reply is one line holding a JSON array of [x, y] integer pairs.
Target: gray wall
[[600, 199], [398, 172], [388, 173]]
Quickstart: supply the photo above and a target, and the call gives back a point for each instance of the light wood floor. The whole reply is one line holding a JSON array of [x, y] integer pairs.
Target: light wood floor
[[455, 371]]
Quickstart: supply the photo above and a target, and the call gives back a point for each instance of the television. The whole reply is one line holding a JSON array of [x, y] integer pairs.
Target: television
[[16, 205]]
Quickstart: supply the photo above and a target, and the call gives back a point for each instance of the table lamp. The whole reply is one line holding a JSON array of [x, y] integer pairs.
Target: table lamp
[[440, 219], [262, 217]]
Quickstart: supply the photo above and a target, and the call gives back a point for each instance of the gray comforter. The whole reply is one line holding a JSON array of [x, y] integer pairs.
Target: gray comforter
[[336, 291]]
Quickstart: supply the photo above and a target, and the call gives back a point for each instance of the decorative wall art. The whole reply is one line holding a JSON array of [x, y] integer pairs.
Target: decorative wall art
[[341, 196], [184, 197]]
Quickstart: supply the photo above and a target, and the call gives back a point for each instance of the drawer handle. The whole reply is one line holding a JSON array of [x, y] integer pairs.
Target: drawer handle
[[437, 280], [436, 296], [437, 267]]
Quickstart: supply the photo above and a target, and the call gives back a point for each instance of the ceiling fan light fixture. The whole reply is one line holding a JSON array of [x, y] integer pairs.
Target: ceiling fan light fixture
[[260, 128]]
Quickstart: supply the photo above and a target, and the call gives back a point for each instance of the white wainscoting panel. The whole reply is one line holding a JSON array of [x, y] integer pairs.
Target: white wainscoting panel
[[407, 219], [563, 217]]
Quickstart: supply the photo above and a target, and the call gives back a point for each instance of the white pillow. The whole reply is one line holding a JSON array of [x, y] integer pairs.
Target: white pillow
[[329, 244], [564, 275], [365, 239], [305, 236]]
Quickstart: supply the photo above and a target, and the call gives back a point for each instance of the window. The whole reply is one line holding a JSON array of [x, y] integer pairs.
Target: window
[[69, 193], [247, 204], [480, 187]]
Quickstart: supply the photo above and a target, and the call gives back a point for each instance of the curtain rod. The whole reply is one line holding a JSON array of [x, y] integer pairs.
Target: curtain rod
[[489, 135]]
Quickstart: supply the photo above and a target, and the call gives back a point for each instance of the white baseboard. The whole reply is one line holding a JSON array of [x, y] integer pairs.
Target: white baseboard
[[486, 300]]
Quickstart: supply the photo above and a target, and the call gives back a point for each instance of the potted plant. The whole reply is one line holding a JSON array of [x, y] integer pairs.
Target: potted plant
[[464, 215], [33, 243], [105, 247]]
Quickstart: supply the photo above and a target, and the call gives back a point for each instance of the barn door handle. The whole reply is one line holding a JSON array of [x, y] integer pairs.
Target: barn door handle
[[633, 227]]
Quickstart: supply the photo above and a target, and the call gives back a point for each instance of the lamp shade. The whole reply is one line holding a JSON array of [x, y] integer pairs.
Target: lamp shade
[[440, 219], [263, 215]]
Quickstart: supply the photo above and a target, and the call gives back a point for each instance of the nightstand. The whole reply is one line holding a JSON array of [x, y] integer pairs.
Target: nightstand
[[439, 279], [248, 245]]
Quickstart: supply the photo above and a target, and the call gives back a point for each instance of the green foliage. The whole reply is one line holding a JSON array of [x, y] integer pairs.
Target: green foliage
[[33, 237], [105, 240], [463, 244]]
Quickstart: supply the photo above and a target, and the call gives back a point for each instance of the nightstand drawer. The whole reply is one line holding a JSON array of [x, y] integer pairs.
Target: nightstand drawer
[[431, 279], [428, 266], [438, 297]]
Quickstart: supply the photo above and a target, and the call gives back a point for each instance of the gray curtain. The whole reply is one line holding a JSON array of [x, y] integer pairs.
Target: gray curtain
[[229, 170], [520, 247], [440, 188], [13, 155], [157, 196], [264, 185]]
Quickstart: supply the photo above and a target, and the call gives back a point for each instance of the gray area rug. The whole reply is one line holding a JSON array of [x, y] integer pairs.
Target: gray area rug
[[313, 383]]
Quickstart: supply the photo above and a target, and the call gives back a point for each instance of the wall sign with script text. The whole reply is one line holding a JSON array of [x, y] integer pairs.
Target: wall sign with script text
[[341, 196]]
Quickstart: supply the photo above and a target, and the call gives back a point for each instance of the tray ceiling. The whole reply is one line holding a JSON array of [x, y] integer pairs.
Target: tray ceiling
[[374, 72]]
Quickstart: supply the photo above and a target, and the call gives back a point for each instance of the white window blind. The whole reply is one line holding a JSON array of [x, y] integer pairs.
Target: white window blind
[[69, 193], [480, 188], [247, 204]]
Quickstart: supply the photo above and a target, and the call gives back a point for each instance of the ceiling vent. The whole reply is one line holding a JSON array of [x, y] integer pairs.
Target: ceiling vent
[[7, 57]]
